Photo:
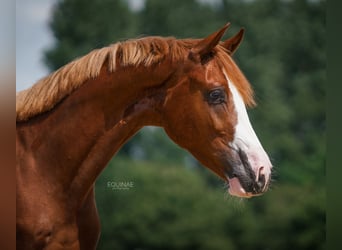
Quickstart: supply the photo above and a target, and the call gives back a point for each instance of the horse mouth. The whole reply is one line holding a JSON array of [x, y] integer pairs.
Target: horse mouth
[[242, 180], [236, 189]]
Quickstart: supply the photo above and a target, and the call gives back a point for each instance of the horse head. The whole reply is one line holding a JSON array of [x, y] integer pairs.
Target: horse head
[[205, 113]]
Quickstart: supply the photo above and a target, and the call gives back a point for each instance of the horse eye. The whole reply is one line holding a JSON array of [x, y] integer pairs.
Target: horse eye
[[217, 96]]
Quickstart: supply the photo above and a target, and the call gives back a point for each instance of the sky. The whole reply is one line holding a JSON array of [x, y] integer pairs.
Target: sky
[[33, 36]]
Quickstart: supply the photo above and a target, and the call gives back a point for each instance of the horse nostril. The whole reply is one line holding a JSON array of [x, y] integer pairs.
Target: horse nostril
[[261, 180]]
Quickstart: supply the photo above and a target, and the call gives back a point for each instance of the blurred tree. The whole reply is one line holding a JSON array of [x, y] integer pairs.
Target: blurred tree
[[80, 27], [170, 207], [182, 19], [168, 211]]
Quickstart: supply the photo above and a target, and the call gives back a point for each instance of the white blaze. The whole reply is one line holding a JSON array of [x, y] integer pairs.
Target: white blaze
[[245, 137], [244, 133]]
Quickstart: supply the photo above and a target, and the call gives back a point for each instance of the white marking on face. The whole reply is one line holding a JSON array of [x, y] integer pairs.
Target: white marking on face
[[244, 133], [245, 137]]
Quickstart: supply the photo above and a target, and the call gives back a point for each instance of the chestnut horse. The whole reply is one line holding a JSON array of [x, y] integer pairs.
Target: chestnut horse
[[72, 122]]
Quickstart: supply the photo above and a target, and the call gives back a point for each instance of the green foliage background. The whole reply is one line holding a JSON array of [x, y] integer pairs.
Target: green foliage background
[[176, 203]]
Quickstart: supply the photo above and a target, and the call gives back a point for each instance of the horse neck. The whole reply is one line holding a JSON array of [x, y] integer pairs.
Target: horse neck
[[87, 128]]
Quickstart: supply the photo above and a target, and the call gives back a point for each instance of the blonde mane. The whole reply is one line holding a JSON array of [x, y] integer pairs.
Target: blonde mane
[[49, 91]]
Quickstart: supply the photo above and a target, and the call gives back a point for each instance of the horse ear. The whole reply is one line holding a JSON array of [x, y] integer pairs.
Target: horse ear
[[233, 43], [205, 46]]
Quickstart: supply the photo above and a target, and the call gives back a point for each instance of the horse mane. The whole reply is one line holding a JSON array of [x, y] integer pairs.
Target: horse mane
[[50, 90]]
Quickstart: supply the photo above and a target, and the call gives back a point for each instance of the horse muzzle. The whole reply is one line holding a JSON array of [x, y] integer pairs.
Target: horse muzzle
[[249, 173]]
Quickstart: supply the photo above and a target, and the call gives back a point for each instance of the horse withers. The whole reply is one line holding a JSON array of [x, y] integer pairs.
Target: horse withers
[[72, 122]]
